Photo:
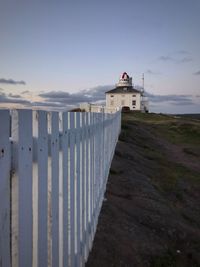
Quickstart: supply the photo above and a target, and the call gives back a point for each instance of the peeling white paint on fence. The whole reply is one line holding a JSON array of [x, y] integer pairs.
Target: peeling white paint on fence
[[53, 174]]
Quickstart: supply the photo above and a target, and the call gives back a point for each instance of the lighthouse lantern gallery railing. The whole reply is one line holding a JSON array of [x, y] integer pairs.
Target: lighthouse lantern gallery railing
[[53, 173]]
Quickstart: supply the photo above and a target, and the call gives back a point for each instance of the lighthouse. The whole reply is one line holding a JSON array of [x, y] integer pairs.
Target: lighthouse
[[124, 81], [125, 95]]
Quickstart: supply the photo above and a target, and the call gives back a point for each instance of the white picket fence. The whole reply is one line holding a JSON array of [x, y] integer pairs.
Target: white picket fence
[[53, 174]]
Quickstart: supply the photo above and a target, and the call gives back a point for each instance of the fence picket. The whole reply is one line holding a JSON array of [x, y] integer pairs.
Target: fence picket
[[60, 181], [65, 145], [83, 177], [87, 186], [92, 176], [25, 205], [55, 187], [72, 189], [42, 154], [5, 162], [78, 190]]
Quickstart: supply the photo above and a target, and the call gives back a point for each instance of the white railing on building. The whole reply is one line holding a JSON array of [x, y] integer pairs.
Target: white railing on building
[[53, 174]]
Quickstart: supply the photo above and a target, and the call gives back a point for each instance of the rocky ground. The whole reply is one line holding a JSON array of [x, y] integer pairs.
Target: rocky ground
[[151, 213]]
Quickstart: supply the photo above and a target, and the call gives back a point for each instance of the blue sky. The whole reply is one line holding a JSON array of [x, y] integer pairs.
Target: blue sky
[[79, 46]]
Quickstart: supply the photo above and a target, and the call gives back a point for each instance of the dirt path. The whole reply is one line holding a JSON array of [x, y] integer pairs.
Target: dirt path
[[142, 222]]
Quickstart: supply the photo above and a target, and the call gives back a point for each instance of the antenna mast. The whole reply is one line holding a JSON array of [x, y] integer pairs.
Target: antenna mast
[[142, 83]]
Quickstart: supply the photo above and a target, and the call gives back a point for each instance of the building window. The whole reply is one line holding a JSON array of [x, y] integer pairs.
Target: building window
[[123, 103], [133, 102], [125, 88], [112, 103], [112, 96], [133, 95]]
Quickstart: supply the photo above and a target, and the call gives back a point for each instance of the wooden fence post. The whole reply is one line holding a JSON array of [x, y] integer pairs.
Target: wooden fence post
[[72, 188], [65, 149], [83, 179], [55, 187], [23, 146], [42, 158], [78, 189], [5, 162], [87, 186]]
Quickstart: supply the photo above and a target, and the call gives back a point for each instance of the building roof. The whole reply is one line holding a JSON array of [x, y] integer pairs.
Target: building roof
[[123, 90]]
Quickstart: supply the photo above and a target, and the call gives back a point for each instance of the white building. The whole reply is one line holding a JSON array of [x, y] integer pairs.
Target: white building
[[125, 95]]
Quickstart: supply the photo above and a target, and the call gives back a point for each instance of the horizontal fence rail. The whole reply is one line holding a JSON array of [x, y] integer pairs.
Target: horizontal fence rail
[[53, 174]]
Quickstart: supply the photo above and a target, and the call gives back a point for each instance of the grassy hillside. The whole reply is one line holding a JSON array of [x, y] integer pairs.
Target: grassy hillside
[[172, 142], [152, 213]]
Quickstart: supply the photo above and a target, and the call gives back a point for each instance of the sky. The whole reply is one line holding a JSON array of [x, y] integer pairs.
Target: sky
[[62, 52]]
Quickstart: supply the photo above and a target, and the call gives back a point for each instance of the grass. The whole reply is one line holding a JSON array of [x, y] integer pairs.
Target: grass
[[155, 137], [169, 259], [180, 132], [175, 130], [147, 117], [169, 175]]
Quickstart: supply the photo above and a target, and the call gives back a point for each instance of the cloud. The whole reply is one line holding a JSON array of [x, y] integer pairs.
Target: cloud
[[88, 95], [183, 52], [197, 73], [184, 60], [173, 104], [158, 103], [173, 99], [60, 100], [183, 103], [165, 58], [178, 60], [151, 72], [10, 81], [8, 99], [47, 104], [14, 96], [65, 98]]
